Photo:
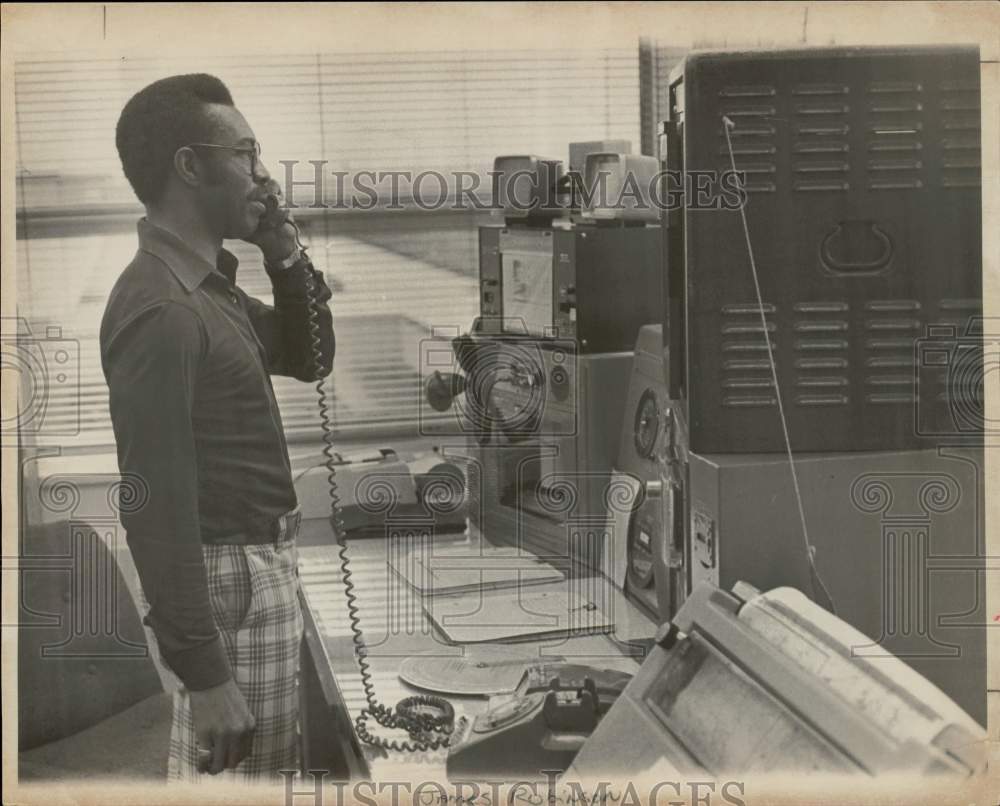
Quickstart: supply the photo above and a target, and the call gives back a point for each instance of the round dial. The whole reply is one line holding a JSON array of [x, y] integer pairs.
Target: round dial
[[504, 391], [517, 393], [647, 424]]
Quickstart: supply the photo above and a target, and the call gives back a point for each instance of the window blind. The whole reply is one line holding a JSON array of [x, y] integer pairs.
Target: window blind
[[397, 275]]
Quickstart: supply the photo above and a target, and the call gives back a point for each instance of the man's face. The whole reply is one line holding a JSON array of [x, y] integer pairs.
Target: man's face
[[232, 197]]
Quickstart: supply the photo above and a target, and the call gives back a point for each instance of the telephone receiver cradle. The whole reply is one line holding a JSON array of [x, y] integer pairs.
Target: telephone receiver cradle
[[543, 729]]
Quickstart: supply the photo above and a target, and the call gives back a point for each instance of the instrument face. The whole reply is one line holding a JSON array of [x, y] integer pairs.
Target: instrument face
[[647, 424], [518, 393]]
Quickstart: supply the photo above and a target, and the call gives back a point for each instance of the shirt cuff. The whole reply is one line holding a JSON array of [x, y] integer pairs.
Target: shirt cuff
[[279, 273], [278, 266], [201, 667]]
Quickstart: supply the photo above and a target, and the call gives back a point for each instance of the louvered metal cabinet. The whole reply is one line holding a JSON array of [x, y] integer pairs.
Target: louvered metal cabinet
[[864, 214]]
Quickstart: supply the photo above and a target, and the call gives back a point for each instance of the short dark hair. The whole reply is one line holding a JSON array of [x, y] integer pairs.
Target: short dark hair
[[157, 120]]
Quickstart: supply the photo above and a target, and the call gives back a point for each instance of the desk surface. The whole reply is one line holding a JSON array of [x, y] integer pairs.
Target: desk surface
[[396, 627]]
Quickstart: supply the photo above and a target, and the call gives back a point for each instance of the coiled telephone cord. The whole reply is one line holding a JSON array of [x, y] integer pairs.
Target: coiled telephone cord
[[427, 730]]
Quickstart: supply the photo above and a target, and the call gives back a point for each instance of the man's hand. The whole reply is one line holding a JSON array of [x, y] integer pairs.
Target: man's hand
[[276, 243], [222, 724], [276, 235]]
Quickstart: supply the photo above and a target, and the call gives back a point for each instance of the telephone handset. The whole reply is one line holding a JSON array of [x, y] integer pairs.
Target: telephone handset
[[428, 720], [275, 215]]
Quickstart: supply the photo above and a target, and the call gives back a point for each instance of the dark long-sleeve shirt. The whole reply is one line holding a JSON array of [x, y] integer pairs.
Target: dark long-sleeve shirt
[[187, 357]]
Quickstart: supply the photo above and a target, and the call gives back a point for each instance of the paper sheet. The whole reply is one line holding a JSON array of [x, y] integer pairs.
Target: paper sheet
[[498, 615], [433, 571]]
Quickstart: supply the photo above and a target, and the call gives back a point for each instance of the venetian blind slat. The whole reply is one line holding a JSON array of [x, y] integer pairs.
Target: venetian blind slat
[[395, 280]]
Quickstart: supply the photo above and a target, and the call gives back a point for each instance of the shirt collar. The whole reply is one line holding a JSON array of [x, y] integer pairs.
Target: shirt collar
[[187, 266]]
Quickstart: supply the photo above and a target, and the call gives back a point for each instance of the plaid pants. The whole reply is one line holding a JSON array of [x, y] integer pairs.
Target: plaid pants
[[253, 590]]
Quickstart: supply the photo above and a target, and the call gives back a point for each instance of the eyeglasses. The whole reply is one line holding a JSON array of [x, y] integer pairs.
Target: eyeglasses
[[252, 150]]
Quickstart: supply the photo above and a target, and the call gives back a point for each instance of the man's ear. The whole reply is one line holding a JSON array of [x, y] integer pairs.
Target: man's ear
[[188, 166]]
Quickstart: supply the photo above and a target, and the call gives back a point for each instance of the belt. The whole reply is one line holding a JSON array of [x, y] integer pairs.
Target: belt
[[281, 530]]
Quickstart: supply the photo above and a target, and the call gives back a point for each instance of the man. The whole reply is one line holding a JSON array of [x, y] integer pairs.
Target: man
[[187, 356]]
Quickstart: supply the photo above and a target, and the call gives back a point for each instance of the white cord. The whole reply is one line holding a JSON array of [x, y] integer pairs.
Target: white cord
[[810, 548]]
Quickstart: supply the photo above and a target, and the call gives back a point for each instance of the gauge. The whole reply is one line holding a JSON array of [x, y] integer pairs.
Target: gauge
[[647, 424], [517, 395], [559, 383], [504, 390]]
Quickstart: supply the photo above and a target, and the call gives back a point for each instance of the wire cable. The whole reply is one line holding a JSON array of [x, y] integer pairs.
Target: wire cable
[[815, 579]]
